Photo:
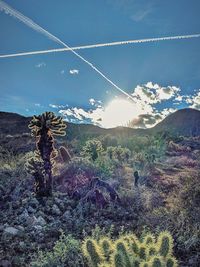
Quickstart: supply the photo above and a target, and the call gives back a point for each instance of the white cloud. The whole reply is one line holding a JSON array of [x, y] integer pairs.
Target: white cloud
[[95, 103], [194, 100], [92, 101], [123, 112], [179, 98], [40, 65], [154, 93], [74, 71]]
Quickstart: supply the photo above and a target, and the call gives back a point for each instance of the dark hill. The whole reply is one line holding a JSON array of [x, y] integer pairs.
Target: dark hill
[[184, 122], [12, 124]]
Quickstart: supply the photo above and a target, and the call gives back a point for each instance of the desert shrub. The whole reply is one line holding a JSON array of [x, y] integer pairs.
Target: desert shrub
[[105, 166], [174, 147], [108, 140], [12, 165], [188, 198], [66, 252], [77, 173], [182, 161], [118, 153]]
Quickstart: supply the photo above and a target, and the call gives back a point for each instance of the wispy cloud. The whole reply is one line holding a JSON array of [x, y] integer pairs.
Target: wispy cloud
[[37, 104], [141, 14], [40, 65], [62, 72], [74, 71], [57, 106]]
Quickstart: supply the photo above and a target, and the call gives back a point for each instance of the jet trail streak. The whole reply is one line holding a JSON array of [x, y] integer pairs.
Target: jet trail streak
[[167, 38], [9, 10]]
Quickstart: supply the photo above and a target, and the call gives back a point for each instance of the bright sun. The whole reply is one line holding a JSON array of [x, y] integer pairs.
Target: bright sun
[[119, 112]]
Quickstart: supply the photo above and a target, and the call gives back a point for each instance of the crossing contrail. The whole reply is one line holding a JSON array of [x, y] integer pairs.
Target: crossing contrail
[[16, 14], [147, 40]]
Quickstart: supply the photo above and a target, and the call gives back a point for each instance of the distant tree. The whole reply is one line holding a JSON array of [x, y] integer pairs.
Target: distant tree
[[43, 128], [92, 149]]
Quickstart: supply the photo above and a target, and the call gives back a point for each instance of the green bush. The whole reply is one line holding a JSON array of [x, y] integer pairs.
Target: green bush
[[66, 252]]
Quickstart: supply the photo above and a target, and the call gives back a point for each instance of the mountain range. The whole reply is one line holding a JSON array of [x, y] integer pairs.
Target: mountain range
[[184, 122]]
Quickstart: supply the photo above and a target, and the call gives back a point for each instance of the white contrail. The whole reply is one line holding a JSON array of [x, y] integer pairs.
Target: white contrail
[[103, 45], [9, 10]]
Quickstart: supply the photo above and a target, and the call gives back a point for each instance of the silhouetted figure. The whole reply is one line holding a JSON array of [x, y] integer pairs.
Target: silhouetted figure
[[136, 175]]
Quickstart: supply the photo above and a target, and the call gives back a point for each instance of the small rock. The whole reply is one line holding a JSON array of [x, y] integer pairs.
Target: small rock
[[56, 210], [24, 216], [5, 263], [57, 201], [66, 215], [31, 210], [31, 220], [11, 230], [20, 227], [41, 221], [34, 203], [38, 227]]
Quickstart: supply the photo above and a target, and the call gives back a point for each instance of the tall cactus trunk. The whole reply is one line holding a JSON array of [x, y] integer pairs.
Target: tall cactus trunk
[[45, 146]]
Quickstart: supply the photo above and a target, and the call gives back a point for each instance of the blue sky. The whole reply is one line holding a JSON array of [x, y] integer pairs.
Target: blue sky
[[62, 83]]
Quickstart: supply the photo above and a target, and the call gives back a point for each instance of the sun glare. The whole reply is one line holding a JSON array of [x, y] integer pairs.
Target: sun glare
[[120, 112]]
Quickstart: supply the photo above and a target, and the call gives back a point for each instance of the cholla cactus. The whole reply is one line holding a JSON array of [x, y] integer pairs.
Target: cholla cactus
[[156, 261], [144, 264], [128, 251], [92, 252], [107, 248], [143, 252], [165, 244], [149, 239], [43, 128], [171, 262], [122, 248], [118, 260]]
